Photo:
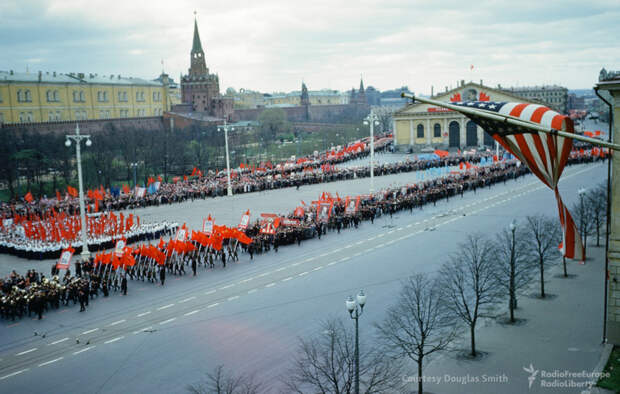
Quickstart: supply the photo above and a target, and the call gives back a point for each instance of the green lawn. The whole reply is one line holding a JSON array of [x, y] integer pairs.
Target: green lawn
[[613, 368]]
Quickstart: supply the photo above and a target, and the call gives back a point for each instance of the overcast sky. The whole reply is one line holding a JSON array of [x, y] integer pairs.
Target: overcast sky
[[272, 45]]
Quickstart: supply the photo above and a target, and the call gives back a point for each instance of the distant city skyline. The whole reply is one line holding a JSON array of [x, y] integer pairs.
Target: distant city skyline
[[272, 46]]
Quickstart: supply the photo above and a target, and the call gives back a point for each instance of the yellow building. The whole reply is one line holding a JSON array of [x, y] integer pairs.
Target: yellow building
[[51, 97], [316, 97], [423, 126]]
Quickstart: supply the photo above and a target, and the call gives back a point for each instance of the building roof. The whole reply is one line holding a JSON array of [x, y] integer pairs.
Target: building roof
[[73, 78]]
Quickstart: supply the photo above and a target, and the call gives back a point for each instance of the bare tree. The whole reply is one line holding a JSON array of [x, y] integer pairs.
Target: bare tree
[[468, 282], [513, 267], [583, 218], [544, 236], [597, 204], [221, 382], [326, 364], [419, 324]]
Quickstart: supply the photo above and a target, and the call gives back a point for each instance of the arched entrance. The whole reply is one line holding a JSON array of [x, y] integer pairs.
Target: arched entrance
[[471, 134], [455, 134], [488, 140]]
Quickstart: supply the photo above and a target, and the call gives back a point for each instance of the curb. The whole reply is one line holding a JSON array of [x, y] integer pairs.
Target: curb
[[598, 369]]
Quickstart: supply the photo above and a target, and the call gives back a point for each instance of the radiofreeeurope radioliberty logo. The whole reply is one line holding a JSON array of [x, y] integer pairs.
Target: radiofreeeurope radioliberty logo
[[562, 378], [533, 372]]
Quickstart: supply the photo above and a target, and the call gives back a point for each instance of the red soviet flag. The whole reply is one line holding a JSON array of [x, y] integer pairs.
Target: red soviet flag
[[28, 197]]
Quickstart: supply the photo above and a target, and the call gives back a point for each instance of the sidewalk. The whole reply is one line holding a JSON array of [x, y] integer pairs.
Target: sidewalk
[[559, 334]]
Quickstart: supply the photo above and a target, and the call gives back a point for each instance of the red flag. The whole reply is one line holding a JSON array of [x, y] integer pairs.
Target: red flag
[[72, 191], [159, 178], [58, 195], [28, 197]]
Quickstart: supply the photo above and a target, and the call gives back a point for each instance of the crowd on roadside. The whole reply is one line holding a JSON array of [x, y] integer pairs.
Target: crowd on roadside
[[33, 293]]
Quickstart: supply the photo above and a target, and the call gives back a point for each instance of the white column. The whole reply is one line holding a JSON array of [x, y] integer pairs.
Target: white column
[[444, 130], [411, 140], [428, 132], [462, 133]]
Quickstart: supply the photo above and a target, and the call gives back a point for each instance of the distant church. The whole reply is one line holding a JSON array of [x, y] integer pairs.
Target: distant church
[[200, 89]]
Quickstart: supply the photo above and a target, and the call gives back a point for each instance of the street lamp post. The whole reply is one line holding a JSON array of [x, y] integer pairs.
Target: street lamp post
[[582, 230], [134, 165], [372, 120], [227, 127], [513, 228], [355, 313], [77, 137]]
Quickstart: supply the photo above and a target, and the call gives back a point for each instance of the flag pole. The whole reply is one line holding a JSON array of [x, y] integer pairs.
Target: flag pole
[[512, 120]]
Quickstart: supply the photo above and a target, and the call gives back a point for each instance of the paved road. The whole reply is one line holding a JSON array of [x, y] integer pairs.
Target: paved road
[[249, 316]]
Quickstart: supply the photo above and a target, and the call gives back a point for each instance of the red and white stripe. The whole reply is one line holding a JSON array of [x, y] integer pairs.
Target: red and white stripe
[[546, 156]]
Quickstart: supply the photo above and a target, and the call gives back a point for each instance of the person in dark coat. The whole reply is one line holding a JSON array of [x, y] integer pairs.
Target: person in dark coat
[[162, 275], [124, 285], [194, 266]]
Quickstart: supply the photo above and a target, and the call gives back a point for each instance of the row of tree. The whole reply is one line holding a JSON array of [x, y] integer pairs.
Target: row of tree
[[429, 314], [41, 163]]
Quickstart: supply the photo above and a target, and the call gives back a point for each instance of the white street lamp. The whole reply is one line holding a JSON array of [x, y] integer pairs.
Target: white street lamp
[[355, 313], [77, 137], [372, 120], [226, 127]]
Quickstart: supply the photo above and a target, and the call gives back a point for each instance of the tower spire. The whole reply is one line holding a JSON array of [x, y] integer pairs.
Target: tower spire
[[196, 46]]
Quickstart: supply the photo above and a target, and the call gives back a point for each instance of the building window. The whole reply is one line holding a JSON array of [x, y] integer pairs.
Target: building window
[[122, 97], [49, 96], [56, 96], [156, 96], [105, 96], [82, 96], [420, 133], [20, 96], [25, 117], [28, 96], [437, 130], [80, 114], [139, 96]]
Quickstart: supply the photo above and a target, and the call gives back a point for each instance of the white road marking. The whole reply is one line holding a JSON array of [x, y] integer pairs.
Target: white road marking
[[58, 341], [187, 299], [359, 242], [357, 254], [233, 298], [295, 264], [14, 373], [348, 246], [192, 312], [227, 286], [391, 231], [416, 223], [142, 330], [336, 250], [115, 339], [144, 314], [318, 268], [210, 292], [213, 305], [26, 351], [251, 291], [83, 350], [165, 307], [371, 238], [167, 321], [390, 242], [380, 246], [303, 273], [399, 229], [280, 269], [409, 225], [263, 274], [117, 322], [287, 279], [93, 330], [380, 235], [246, 280], [369, 250], [323, 255], [270, 284], [344, 259], [309, 259], [332, 263], [51, 361]]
